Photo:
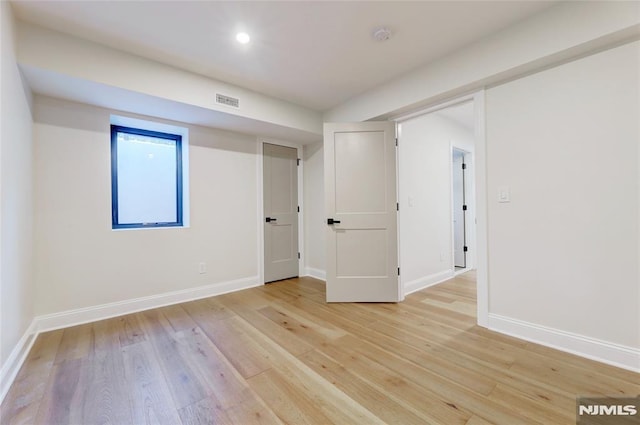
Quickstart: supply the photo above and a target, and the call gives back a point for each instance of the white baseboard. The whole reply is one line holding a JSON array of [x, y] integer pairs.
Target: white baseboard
[[317, 273], [591, 348], [105, 311], [65, 319], [458, 271], [68, 318], [425, 282], [14, 362]]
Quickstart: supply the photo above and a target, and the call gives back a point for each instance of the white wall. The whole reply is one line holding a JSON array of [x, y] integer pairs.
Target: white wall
[[563, 254], [424, 172], [16, 211], [81, 262], [314, 216]]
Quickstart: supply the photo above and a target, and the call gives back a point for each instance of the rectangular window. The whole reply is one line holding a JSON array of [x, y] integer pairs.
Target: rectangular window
[[146, 178]]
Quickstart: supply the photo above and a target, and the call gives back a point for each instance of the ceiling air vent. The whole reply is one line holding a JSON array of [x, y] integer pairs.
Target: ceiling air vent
[[227, 100]]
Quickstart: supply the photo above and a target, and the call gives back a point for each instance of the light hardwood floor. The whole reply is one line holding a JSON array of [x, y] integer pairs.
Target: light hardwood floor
[[280, 354]]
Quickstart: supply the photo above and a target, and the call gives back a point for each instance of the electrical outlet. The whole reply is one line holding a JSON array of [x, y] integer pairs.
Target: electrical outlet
[[202, 268]]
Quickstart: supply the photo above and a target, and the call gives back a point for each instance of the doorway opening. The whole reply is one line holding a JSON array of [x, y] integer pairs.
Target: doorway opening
[[280, 212], [460, 160], [436, 194], [459, 209]]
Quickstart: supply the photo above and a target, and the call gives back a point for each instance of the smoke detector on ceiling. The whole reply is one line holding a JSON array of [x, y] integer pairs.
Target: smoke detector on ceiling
[[381, 34]]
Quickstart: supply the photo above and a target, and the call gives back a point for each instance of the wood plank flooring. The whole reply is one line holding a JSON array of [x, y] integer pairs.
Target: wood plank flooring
[[279, 354]]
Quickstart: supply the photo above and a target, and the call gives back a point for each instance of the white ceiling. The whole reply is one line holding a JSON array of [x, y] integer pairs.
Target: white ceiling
[[317, 54]]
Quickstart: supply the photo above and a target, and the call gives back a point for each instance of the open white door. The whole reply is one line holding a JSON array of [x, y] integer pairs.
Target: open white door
[[360, 200], [459, 209]]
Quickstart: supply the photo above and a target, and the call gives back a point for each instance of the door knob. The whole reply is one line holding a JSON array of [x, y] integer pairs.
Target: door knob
[[332, 221], [269, 219]]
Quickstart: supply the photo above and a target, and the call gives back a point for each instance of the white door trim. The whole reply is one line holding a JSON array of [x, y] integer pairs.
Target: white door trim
[[482, 247], [480, 181], [260, 210]]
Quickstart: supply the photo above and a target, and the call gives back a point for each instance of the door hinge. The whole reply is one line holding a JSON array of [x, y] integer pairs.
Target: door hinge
[[298, 256], [396, 141], [398, 271], [298, 208], [464, 166], [397, 206], [464, 208], [465, 249], [298, 161]]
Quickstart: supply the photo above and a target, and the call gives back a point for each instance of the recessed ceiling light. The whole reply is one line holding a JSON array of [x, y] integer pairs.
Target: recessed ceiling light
[[243, 37]]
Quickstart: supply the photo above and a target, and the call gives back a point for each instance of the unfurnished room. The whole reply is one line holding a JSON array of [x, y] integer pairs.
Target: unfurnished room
[[319, 212]]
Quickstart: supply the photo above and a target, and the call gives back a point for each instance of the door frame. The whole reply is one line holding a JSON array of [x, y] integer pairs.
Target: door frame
[[480, 181], [469, 188], [260, 211]]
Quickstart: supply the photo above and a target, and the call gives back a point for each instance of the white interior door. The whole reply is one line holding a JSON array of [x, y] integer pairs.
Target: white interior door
[[280, 212], [459, 210], [360, 200]]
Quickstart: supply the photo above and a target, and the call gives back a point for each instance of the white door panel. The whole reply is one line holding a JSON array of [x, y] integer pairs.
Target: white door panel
[[459, 242], [352, 261], [359, 167], [360, 191], [280, 212]]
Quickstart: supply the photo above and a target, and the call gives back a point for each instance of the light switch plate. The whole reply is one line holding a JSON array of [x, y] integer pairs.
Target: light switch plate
[[504, 194]]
